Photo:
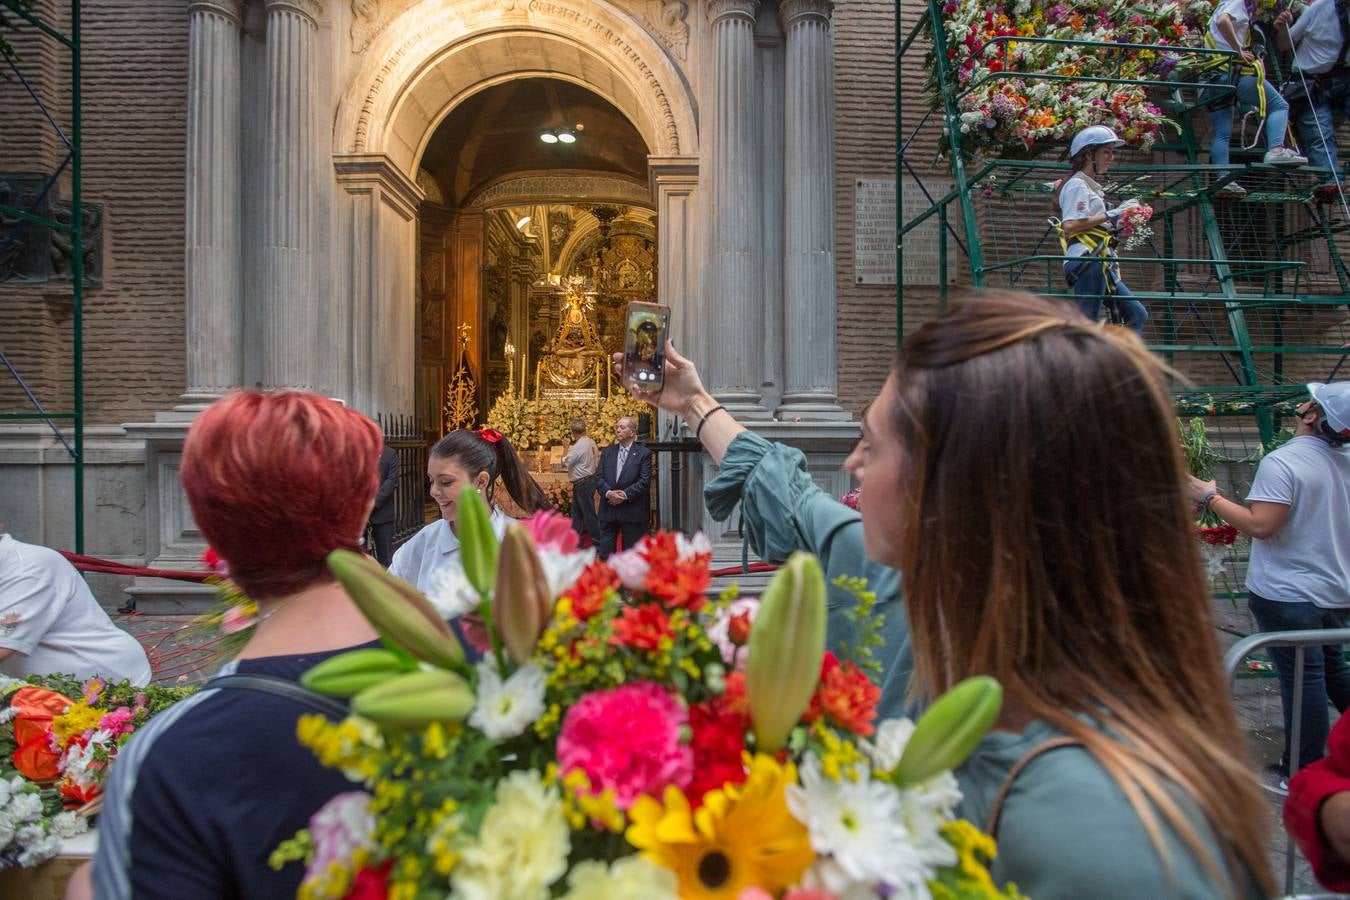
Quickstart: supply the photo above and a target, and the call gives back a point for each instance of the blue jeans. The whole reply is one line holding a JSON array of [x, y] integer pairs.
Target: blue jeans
[[1277, 118], [1325, 674], [1089, 288], [1317, 120]]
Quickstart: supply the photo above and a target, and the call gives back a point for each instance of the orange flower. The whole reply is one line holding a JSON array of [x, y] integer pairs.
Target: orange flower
[[738, 628], [676, 582], [642, 627], [588, 594], [846, 696]]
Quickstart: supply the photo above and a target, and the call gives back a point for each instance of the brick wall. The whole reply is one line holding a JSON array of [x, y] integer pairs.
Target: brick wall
[[134, 110]]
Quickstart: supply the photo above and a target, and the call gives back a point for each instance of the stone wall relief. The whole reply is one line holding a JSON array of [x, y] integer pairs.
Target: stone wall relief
[[32, 253]]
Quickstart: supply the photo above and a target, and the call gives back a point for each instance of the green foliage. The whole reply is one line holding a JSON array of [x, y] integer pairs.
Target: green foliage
[[867, 624]]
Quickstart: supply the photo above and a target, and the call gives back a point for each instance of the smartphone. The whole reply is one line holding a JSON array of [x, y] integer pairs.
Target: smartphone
[[644, 346]]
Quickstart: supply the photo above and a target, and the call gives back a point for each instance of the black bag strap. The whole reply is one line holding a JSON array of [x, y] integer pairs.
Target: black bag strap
[[991, 825], [280, 687]]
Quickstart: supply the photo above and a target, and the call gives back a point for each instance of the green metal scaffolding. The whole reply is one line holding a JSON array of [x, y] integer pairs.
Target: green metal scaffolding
[[19, 16]]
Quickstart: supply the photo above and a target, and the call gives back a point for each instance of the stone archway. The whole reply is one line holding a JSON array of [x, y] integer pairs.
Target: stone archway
[[430, 58]]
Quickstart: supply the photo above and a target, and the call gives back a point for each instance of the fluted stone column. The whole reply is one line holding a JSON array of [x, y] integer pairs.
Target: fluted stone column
[[810, 380], [214, 301], [290, 317], [735, 362]]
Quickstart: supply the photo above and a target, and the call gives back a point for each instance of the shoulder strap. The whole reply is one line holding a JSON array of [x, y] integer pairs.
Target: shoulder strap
[[991, 826], [281, 687]]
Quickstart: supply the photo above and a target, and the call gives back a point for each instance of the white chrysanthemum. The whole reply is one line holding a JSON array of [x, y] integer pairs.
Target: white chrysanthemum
[[6, 830], [629, 878], [861, 824], [521, 848], [67, 824], [450, 592], [561, 570], [36, 848], [826, 875], [24, 806], [506, 709]]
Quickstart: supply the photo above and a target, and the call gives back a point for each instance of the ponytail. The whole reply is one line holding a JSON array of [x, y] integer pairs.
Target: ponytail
[[487, 450]]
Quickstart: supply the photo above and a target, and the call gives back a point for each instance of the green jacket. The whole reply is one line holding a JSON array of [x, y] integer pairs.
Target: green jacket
[[1066, 829]]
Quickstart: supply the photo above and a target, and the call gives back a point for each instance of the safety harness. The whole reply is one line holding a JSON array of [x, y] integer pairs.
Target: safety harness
[[1097, 240], [1236, 70]]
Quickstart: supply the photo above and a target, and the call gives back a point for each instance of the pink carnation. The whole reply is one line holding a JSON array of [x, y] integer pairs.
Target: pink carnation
[[627, 739], [552, 531], [117, 722]]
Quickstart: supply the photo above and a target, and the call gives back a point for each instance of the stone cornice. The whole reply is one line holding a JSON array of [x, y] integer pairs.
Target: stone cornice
[[727, 9], [310, 9], [372, 169], [230, 9], [793, 11]]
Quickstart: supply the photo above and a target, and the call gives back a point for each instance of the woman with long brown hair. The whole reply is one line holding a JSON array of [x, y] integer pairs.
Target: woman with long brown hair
[[1020, 467]]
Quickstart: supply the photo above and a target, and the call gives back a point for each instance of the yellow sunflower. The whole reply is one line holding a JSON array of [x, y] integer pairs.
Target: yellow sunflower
[[743, 835]]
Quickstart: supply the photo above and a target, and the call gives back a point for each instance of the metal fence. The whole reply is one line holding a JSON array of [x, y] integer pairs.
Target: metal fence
[[1300, 641], [404, 435]]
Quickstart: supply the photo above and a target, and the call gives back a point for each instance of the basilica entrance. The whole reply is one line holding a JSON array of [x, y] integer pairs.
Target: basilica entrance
[[536, 229]]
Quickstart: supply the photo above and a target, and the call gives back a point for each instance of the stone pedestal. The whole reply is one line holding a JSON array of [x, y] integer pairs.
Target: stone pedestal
[[214, 263], [734, 365], [292, 328], [810, 382]]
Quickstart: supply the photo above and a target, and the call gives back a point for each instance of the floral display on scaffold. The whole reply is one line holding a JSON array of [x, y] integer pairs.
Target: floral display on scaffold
[[1220, 543], [999, 52], [628, 733], [58, 736]]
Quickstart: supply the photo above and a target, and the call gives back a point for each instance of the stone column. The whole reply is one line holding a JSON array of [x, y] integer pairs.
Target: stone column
[[214, 263], [290, 320], [810, 379], [735, 364]]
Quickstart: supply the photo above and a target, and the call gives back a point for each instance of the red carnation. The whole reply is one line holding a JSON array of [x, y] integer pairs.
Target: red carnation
[[642, 627], [718, 743], [588, 594], [846, 696], [371, 884]]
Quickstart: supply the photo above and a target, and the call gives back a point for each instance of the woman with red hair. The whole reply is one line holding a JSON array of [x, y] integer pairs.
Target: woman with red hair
[[276, 481]]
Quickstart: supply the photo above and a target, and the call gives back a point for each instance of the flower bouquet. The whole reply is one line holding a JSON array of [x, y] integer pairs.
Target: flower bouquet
[[1133, 226], [55, 752], [606, 746]]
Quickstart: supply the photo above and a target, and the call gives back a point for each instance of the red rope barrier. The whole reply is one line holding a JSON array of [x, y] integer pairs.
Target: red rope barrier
[[93, 564], [753, 568]]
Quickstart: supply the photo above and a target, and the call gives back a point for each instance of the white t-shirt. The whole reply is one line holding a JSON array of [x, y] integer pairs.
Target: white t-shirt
[[581, 458], [1241, 24], [1080, 198], [431, 548], [49, 617], [1317, 37], [1307, 560]]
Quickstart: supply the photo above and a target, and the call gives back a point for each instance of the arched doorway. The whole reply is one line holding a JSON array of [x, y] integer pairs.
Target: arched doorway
[[510, 216], [433, 60]]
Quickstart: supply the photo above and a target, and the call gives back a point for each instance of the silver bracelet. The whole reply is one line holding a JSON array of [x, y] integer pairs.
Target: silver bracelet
[[1209, 495]]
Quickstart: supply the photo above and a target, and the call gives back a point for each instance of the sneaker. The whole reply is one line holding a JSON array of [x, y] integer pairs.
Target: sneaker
[[1283, 156], [1234, 190]]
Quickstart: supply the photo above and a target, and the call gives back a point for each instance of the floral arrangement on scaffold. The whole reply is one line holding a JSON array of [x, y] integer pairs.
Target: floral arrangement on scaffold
[[994, 47], [55, 751], [1220, 543], [605, 746]]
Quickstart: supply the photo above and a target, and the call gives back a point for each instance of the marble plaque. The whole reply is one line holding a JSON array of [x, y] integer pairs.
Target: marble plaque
[[875, 226]]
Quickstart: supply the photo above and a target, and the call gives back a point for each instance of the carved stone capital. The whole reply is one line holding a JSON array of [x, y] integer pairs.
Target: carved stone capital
[[310, 9], [721, 10], [230, 9], [795, 12]]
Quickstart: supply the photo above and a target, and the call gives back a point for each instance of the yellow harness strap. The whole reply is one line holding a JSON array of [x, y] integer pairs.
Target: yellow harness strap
[[1255, 68]]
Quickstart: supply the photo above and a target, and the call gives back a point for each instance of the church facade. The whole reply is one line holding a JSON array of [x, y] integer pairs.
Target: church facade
[[357, 196]]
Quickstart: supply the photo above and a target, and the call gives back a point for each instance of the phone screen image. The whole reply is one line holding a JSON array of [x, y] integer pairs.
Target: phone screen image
[[644, 357]]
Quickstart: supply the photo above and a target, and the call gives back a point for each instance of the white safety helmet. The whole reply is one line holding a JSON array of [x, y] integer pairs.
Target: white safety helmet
[[1334, 399], [1093, 136]]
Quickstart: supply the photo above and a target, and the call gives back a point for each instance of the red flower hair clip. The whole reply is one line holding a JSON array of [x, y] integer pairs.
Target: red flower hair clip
[[491, 435]]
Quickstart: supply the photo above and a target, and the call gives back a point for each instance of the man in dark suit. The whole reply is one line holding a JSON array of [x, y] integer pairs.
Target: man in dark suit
[[382, 514], [623, 480]]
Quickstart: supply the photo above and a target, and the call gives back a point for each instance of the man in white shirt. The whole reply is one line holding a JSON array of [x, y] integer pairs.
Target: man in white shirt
[[1320, 38], [51, 624], [581, 459], [1299, 574]]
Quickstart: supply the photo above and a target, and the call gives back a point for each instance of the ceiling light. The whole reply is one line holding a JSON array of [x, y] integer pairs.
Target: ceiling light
[[567, 137], [522, 222], [548, 137]]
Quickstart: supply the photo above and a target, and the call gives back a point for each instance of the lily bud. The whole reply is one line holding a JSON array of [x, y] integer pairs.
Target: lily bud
[[786, 645], [477, 540], [397, 611], [416, 699], [947, 733], [522, 605]]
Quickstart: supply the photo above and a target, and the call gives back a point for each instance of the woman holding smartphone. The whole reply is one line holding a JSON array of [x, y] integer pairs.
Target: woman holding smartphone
[[1079, 588]]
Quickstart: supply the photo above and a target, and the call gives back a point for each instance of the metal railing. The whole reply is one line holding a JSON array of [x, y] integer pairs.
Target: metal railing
[[1300, 641], [404, 435]]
